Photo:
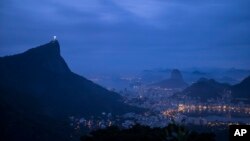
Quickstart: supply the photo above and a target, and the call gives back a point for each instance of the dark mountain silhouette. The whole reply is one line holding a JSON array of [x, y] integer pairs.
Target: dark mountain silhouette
[[42, 72], [205, 89], [242, 90], [38, 92], [209, 88], [175, 81]]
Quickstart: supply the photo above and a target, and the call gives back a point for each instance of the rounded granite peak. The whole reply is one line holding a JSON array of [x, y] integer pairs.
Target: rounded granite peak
[[176, 75]]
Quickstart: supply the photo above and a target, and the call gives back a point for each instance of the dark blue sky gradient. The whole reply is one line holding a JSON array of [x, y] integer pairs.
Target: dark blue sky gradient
[[117, 35]]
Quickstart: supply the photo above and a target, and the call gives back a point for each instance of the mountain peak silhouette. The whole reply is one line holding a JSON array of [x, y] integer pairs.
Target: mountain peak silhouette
[[45, 57], [43, 73], [175, 81], [176, 75], [50, 49]]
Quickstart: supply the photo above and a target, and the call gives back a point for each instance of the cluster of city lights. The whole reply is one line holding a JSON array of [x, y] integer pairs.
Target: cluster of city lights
[[216, 108]]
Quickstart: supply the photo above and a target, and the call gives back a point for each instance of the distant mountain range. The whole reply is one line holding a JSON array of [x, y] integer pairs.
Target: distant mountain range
[[38, 91], [174, 82], [209, 88], [230, 75], [206, 88]]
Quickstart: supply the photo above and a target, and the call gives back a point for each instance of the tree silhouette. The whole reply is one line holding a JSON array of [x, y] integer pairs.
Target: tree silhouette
[[172, 132]]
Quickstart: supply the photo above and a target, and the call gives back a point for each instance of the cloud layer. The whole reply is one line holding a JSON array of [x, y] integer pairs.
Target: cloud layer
[[138, 34]]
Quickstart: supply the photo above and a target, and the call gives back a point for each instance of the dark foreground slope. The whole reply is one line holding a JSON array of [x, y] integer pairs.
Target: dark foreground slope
[[38, 92], [23, 119]]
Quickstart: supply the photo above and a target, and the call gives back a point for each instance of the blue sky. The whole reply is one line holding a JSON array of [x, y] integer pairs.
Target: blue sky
[[118, 35]]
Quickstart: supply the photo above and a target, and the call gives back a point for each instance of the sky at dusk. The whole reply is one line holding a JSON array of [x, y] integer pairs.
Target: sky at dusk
[[116, 35]]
